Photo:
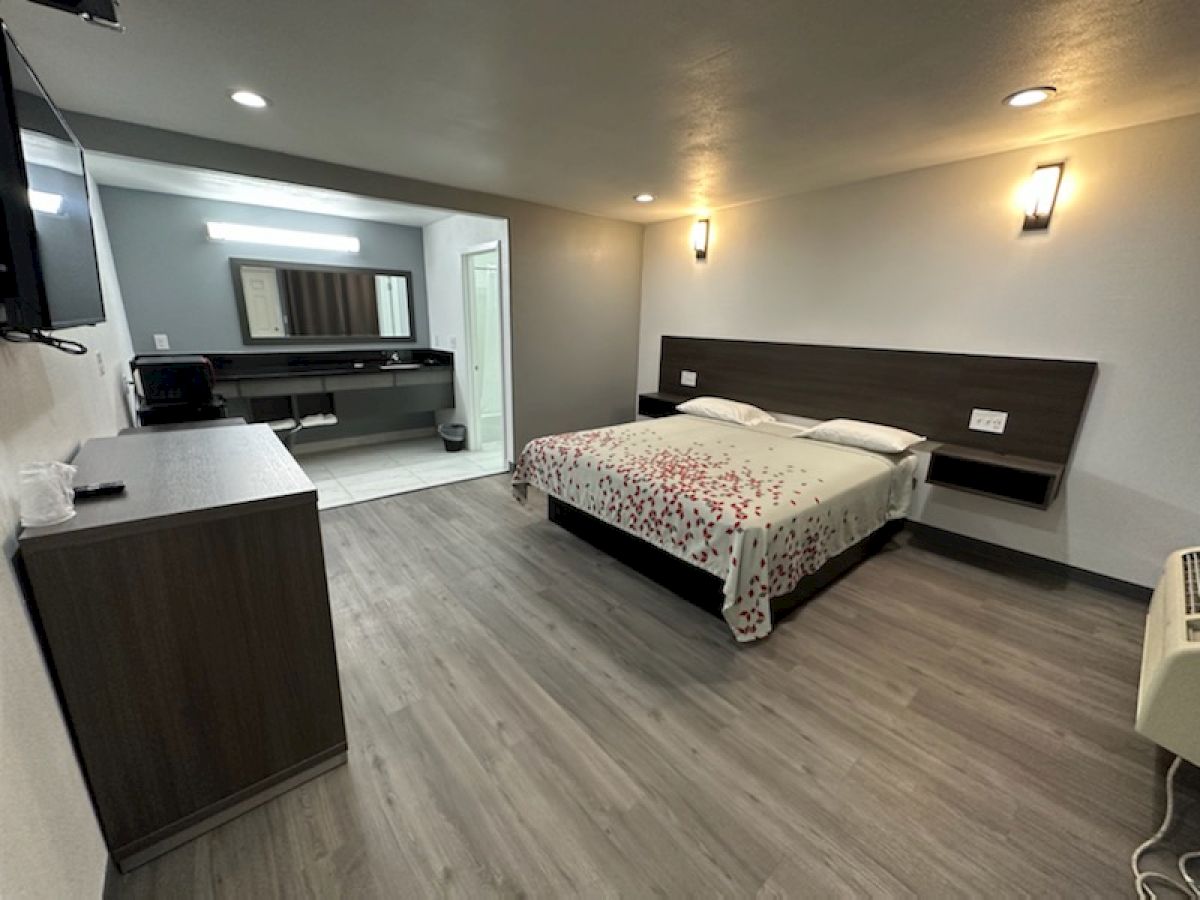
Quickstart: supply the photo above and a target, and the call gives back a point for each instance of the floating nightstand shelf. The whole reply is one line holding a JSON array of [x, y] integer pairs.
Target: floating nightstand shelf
[[659, 404], [1017, 479]]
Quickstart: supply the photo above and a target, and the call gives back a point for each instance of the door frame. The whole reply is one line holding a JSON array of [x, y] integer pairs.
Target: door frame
[[505, 313]]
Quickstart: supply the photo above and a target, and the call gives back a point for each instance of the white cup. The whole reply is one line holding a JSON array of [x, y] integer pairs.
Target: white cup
[[45, 493]]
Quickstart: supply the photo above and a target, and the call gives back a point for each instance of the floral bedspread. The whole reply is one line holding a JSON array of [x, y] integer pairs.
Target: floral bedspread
[[754, 507]]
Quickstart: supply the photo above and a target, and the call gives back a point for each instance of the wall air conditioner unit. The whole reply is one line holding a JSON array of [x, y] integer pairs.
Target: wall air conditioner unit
[[1168, 708]]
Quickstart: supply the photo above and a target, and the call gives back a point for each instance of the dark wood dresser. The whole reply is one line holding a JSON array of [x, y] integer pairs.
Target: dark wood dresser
[[186, 625]]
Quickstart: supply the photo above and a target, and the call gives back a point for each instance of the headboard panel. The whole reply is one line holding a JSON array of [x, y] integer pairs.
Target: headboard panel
[[930, 393]]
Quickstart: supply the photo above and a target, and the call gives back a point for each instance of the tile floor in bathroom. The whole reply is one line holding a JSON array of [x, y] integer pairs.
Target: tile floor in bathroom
[[354, 474]]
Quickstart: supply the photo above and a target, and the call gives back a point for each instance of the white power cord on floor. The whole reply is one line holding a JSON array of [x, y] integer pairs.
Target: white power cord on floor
[[1183, 864], [1141, 879]]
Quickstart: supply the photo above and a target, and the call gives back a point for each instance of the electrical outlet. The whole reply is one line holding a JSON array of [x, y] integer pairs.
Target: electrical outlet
[[687, 378], [990, 420], [162, 342]]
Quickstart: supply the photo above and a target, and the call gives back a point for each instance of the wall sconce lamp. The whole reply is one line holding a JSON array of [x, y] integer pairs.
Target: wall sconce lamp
[[1042, 193], [700, 238]]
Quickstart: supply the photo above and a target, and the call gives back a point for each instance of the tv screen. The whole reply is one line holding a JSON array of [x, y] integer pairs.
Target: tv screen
[[51, 278]]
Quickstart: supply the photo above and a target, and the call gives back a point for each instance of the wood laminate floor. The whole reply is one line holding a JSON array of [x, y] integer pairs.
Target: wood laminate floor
[[528, 717]]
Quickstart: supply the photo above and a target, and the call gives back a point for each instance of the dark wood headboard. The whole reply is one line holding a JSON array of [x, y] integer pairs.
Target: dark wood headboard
[[929, 393]]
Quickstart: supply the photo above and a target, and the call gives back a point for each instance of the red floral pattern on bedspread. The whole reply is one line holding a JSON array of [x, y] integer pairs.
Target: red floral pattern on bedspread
[[760, 527]]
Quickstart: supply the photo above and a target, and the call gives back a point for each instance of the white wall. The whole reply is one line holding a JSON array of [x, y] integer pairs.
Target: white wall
[[445, 241], [933, 260], [50, 844]]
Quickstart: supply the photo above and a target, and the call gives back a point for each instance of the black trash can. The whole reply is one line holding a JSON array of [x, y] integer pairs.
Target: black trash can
[[454, 436]]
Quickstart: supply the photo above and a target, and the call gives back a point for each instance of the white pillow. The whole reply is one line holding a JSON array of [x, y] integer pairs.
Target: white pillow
[[725, 410], [867, 435]]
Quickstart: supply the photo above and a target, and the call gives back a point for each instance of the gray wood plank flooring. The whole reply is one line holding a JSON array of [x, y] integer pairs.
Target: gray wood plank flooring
[[527, 717]]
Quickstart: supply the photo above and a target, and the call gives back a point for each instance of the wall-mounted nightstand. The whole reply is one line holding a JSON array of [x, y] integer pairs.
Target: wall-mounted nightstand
[[1017, 479], [658, 404]]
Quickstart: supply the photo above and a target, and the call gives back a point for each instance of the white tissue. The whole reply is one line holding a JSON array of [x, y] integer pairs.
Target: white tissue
[[45, 493]]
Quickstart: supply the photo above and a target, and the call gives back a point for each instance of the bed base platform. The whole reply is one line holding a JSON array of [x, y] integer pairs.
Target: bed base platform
[[694, 584]]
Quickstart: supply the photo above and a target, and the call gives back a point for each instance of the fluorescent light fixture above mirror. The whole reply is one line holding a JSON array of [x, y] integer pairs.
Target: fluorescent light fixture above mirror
[[282, 237], [45, 202]]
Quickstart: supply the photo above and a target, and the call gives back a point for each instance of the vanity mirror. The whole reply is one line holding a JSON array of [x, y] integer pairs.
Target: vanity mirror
[[280, 302]]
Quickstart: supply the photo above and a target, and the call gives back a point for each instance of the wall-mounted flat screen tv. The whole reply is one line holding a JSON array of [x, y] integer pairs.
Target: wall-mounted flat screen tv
[[47, 251]]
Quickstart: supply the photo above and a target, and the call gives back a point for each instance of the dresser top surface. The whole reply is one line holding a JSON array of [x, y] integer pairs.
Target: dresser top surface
[[174, 474]]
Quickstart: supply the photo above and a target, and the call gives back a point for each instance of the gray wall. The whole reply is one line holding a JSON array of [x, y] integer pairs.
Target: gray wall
[[177, 282], [576, 279]]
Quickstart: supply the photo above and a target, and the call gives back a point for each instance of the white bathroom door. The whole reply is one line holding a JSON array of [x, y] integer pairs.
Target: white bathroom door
[[481, 290]]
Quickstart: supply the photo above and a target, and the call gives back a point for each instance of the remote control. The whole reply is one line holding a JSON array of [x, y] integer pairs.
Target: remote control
[[99, 489]]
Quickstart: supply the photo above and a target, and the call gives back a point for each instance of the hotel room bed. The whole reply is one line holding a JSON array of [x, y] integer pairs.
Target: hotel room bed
[[755, 506]]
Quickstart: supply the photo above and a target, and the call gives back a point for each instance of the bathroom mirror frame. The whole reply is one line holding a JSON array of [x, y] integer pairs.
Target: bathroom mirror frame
[[236, 266]]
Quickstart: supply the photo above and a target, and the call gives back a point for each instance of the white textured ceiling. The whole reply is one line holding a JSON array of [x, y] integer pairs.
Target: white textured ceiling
[[582, 104], [141, 175]]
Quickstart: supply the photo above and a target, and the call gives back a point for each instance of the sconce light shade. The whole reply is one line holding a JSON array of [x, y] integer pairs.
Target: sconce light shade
[[1042, 195], [700, 238]]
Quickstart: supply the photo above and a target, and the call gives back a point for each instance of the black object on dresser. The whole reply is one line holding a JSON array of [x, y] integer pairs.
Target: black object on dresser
[[186, 624], [659, 404]]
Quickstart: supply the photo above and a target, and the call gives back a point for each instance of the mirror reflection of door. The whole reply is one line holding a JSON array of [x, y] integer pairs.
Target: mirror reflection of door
[[481, 283], [391, 297], [260, 293]]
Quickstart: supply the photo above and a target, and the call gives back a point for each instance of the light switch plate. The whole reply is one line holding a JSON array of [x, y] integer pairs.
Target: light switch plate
[[990, 420], [687, 378], [162, 342]]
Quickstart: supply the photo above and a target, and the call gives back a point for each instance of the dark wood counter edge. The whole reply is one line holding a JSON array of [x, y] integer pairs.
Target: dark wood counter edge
[[33, 539], [331, 373], [133, 855]]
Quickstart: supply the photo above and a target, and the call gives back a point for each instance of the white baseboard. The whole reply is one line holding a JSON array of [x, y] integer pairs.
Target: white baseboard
[[364, 440]]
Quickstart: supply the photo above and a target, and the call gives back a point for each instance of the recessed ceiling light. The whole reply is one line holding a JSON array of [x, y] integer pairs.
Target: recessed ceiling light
[[644, 198], [1030, 96], [250, 99]]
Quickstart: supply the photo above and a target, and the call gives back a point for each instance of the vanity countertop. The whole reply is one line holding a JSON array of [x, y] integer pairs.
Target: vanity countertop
[[317, 370], [247, 365]]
